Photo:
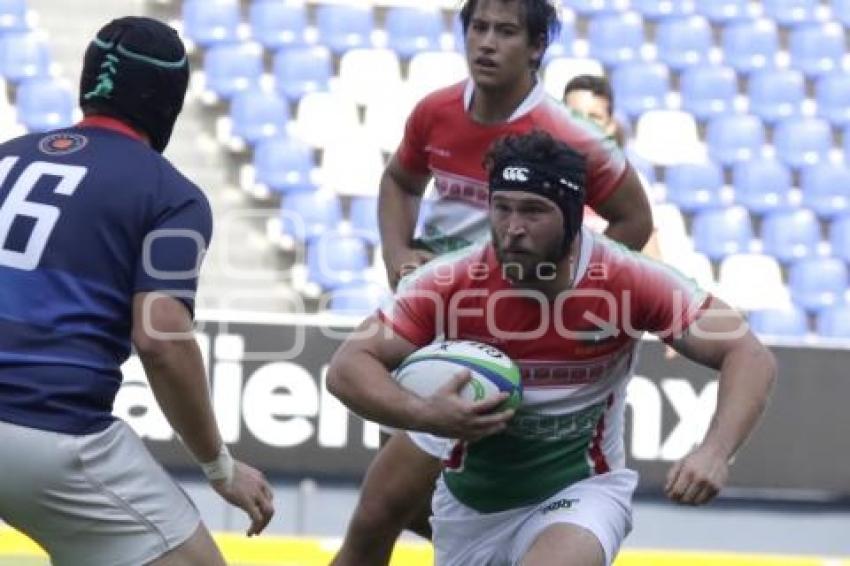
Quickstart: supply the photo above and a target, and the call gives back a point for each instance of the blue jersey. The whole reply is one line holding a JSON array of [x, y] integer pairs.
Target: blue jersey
[[89, 216]]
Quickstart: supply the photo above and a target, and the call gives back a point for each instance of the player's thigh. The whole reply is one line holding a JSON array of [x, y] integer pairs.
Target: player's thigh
[[564, 544], [97, 499], [199, 550]]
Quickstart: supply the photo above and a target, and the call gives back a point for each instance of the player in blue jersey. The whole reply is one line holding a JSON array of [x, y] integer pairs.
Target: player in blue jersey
[[101, 240]]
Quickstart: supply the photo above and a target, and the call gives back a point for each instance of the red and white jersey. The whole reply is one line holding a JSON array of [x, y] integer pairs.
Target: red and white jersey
[[441, 139], [576, 353]]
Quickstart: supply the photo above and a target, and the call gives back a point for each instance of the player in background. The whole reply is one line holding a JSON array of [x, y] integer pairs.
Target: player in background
[[591, 96], [101, 241], [445, 139], [548, 485]]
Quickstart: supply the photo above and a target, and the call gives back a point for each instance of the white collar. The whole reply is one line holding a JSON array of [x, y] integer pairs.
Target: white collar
[[535, 97]]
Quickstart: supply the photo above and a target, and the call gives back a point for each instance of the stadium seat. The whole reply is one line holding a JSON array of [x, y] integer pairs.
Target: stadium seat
[[593, 7], [23, 55], [562, 45], [817, 48], [364, 218], [789, 235], [802, 141], [385, 116], [724, 11], [413, 29], [323, 117], [211, 22], [683, 41], [302, 70], [278, 23], [720, 232], [776, 93], [44, 104], [826, 188], [336, 259], [708, 90], [13, 15], [258, 114], [640, 86], [832, 94], [352, 166], [357, 300], [673, 239], [695, 186], [839, 237], [616, 37], [762, 185], [430, 70], [344, 26], [283, 164], [834, 322], [560, 70], [846, 148], [365, 73], [661, 9], [696, 266], [790, 12], [233, 67], [667, 137], [752, 282], [306, 215], [734, 137], [817, 282], [750, 44], [841, 11], [789, 322]]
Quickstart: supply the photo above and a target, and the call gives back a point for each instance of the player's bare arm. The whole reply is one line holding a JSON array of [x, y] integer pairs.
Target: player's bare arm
[[628, 212], [720, 339], [399, 196], [359, 376], [162, 335]]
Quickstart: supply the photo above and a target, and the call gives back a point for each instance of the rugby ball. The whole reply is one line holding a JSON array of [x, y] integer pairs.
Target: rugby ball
[[426, 370]]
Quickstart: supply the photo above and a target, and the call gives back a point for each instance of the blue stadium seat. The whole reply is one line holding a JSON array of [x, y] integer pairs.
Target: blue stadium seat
[[817, 282], [683, 41], [750, 44], [789, 235], [359, 299], [661, 9], [344, 26], [846, 136], [258, 114], [640, 86], [694, 186], [44, 104], [210, 22], [826, 188], [301, 70], [724, 11], [306, 215], [839, 237], [832, 94], [278, 23], [719, 232], [841, 11], [762, 185], [593, 7], [802, 141], [817, 48], [232, 67], [776, 93], [412, 30], [708, 90], [615, 38], [13, 15], [788, 322], [834, 322], [23, 55], [335, 260], [734, 137], [364, 218], [790, 12], [283, 164], [562, 46]]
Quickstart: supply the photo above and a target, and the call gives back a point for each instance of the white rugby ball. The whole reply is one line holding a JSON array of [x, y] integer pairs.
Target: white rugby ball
[[426, 370]]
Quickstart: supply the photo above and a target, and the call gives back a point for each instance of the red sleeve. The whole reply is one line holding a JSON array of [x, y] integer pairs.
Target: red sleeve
[[606, 169], [411, 152]]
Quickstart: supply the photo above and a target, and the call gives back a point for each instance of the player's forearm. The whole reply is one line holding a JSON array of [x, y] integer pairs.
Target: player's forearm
[[747, 375], [177, 377], [398, 210], [631, 231]]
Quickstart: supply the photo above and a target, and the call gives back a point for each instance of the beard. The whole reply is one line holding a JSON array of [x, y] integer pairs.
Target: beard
[[526, 266]]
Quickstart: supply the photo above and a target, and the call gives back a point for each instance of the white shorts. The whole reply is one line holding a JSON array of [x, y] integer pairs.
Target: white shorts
[[94, 500], [464, 537]]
